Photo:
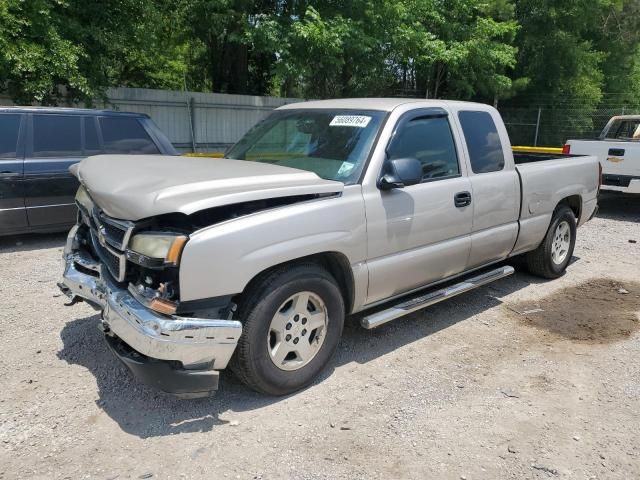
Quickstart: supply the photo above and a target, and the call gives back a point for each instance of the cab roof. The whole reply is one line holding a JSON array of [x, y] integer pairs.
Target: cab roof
[[381, 104]]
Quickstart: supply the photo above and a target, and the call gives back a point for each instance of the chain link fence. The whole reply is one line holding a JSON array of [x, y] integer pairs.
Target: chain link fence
[[552, 126]]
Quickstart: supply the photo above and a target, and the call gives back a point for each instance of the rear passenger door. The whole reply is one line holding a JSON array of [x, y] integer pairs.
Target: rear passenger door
[[495, 186], [55, 144], [12, 213]]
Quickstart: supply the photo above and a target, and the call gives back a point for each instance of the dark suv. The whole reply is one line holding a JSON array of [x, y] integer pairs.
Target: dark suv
[[37, 147]]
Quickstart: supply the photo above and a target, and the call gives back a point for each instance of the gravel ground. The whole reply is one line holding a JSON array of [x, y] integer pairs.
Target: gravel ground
[[519, 379]]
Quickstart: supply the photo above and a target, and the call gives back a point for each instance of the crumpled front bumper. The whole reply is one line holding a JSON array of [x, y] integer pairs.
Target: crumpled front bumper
[[178, 355]]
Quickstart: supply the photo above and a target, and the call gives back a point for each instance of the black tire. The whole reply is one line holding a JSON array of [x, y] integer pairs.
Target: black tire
[[252, 362], [540, 261]]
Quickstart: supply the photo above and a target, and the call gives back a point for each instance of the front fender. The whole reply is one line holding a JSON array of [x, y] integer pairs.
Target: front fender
[[222, 259]]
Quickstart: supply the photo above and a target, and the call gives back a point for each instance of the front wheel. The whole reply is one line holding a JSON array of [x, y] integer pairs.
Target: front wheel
[[551, 258], [292, 323]]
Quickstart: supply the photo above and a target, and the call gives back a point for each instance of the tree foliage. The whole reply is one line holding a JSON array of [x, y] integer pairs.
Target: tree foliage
[[490, 50], [34, 56]]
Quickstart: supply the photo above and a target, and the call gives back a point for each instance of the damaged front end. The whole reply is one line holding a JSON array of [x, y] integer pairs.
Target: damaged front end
[[134, 284], [130, 271]]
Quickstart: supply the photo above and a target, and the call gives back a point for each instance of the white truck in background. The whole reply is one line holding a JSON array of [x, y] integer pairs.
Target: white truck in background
[[618, 149]]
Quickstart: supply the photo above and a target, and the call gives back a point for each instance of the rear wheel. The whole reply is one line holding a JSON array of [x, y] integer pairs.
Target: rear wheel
[[292, 323], [551, 258]]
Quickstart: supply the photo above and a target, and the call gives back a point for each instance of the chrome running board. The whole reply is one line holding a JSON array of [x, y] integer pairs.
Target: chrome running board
[[422, 301]]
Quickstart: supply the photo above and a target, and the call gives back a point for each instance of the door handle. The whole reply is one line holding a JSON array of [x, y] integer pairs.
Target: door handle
[[462, 199], [616, 152], [7, 174]]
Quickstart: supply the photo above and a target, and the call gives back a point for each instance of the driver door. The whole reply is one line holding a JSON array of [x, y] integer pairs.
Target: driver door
[[420, 234]]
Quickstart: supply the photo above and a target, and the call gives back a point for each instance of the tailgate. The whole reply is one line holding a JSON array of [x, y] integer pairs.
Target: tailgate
[[617, 158]]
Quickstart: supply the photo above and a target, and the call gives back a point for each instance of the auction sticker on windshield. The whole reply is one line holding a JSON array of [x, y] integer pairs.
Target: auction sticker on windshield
[[360, 121]]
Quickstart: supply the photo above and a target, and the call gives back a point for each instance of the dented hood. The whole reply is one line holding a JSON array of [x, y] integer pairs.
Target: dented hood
[[132, 187]]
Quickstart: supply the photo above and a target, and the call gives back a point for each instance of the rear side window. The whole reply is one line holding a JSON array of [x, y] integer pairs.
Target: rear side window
[[56, 136], [483, 142], [125, 135], [428, 139], [9, 129]]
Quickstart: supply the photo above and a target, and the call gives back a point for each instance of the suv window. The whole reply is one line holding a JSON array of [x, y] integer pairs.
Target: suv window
[[483, 142], [125, 135], [56, 136], [429, 139], [9, 129]]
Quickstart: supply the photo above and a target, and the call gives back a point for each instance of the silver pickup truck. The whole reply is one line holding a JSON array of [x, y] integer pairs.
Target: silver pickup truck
[[323, 210]]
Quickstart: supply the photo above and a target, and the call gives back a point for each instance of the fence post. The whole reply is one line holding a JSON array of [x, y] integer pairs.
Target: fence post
[[192, 122], [535, 140]]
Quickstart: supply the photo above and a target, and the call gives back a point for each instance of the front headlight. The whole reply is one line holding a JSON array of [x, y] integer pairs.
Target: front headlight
[[83, 198], [158, 247]]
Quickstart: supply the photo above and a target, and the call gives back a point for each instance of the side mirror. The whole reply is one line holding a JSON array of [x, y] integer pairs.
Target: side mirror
[[401, 172]]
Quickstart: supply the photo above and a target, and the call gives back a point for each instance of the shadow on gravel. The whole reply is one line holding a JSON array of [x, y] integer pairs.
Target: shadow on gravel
[[144, 412], [140, 410], [34, 241], [619, 206], [362, 345]]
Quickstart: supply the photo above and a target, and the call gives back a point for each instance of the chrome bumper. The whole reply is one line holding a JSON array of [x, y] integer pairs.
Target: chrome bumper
[[196, 343]]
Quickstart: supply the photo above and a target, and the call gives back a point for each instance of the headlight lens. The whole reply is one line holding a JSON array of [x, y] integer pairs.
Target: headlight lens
[[159, 246], [83, 198]]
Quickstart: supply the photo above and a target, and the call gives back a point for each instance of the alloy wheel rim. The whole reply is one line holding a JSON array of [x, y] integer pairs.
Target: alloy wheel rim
[[297, 331], [561, 243]]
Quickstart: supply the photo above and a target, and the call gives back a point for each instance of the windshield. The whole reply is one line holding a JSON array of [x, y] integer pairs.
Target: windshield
[[334, 144]]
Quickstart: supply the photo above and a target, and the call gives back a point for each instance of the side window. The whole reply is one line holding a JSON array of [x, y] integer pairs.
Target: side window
[[483, 142], [628, 130], [9, 130], [56, 136], [91, 142], [429, 139], [125, 135]]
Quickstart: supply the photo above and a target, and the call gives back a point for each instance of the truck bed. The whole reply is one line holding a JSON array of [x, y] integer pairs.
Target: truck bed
[[545, 179]]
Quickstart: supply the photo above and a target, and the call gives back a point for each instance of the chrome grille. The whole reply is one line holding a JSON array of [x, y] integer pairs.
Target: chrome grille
[[109, 239], [114, 261], [115, 232]]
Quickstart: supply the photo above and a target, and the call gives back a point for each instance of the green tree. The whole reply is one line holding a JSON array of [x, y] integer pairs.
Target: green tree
[[35, 60], [373, 47], [52, 50], [552, 52], [620, 40]]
